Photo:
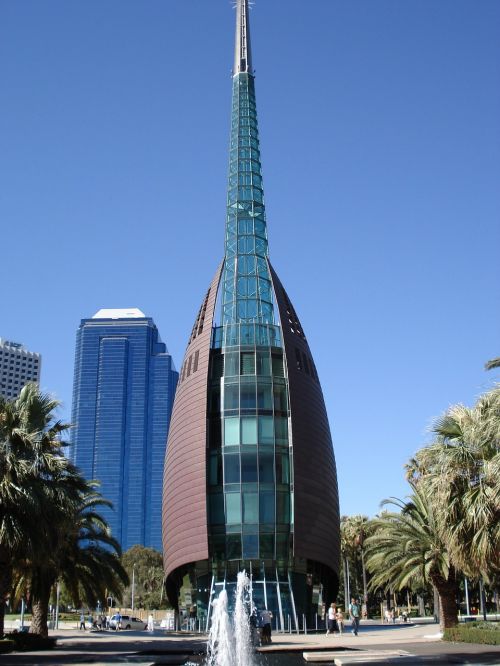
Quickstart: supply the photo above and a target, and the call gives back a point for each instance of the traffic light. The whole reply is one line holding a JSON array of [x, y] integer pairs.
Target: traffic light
[[110, 602]]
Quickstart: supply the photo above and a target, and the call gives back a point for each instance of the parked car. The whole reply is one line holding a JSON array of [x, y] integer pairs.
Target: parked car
[[128, 622]]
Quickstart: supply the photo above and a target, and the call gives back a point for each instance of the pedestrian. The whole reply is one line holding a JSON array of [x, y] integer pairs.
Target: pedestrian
[[151, 623], [265, 626], [82, 621], [118, 622], [339, 616], [354, 610], [331, 620]]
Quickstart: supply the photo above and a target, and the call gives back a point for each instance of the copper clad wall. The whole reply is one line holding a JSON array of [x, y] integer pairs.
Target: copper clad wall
[[184, 481], [316, 512]]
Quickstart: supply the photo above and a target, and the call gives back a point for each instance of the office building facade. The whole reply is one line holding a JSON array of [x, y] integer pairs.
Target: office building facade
[[18, 367], [250, 478], [123, 392]]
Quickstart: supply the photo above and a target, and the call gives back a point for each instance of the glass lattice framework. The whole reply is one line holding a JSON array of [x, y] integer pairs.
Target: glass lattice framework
[[247, 292], [249, 470]]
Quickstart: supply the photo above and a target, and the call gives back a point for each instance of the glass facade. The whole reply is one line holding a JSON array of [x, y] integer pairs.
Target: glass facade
[[123, 393], [249, 477]]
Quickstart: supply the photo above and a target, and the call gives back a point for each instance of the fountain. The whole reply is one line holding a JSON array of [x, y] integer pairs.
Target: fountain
[[230, 639]]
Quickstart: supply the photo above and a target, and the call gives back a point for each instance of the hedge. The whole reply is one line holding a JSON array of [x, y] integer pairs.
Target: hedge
[[486, 633]]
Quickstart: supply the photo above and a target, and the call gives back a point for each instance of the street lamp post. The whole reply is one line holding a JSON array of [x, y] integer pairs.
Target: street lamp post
[[133, 587]]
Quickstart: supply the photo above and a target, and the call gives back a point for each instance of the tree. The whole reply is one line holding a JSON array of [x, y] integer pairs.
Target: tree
[[406, 550], [85, 557], [460, 470], [494, 363], [30, 456], [48, 524], [355, 530], [148, 578]]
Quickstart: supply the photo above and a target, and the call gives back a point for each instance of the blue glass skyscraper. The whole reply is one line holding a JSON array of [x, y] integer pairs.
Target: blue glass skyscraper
[[123, 392]]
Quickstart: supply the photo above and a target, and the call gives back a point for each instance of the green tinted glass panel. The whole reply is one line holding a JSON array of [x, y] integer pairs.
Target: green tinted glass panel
[[278, 366], [231, 364], [248, 396], [266, 467], [267, 546], [233, 546], [282, 468], [266, 507], [250, 546], [249, 468], [283, 507], [249, 430], [280, 399], [231, 468], [266, 430], [231, 396], [281, 429], [282, 546], [264, 400], [263, 362], [231, 431], [233, 508], [247, 363], [250, 508]]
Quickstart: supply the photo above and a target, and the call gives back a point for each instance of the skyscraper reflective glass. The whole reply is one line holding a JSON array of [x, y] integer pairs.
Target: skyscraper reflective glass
[[123, 393], [250, 423]]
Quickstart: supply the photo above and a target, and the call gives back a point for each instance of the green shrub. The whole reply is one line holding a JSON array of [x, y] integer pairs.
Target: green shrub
[[485, 633], [6, 645], [24, 642]]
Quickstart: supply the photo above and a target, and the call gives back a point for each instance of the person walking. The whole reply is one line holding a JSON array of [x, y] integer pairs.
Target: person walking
[[151, 623], [354, 611], [331, 620], [118, 622], [82, 621], [265, 625], [339, 616]]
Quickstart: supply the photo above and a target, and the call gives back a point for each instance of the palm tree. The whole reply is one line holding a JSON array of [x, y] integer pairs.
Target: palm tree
[[357, 530], [406, 551], [461, 471], [84, 556], [44, 503], [346, 550], [494, 363], [25, 464]]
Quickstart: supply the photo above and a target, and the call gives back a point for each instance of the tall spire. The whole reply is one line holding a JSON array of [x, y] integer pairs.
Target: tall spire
[[242, 49], [247, 295]]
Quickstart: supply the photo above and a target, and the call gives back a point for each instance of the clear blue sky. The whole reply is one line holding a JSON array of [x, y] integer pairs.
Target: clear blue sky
[[380, 130]]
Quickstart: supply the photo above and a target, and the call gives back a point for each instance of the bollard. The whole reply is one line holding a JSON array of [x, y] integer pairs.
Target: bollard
[[316, 617]]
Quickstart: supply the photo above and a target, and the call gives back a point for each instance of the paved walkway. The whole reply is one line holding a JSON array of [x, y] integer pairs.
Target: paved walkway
[[380, 644]]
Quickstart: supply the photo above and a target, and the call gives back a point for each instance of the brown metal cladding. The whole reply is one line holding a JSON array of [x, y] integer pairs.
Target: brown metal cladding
[[316, 503], [184, 511]]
